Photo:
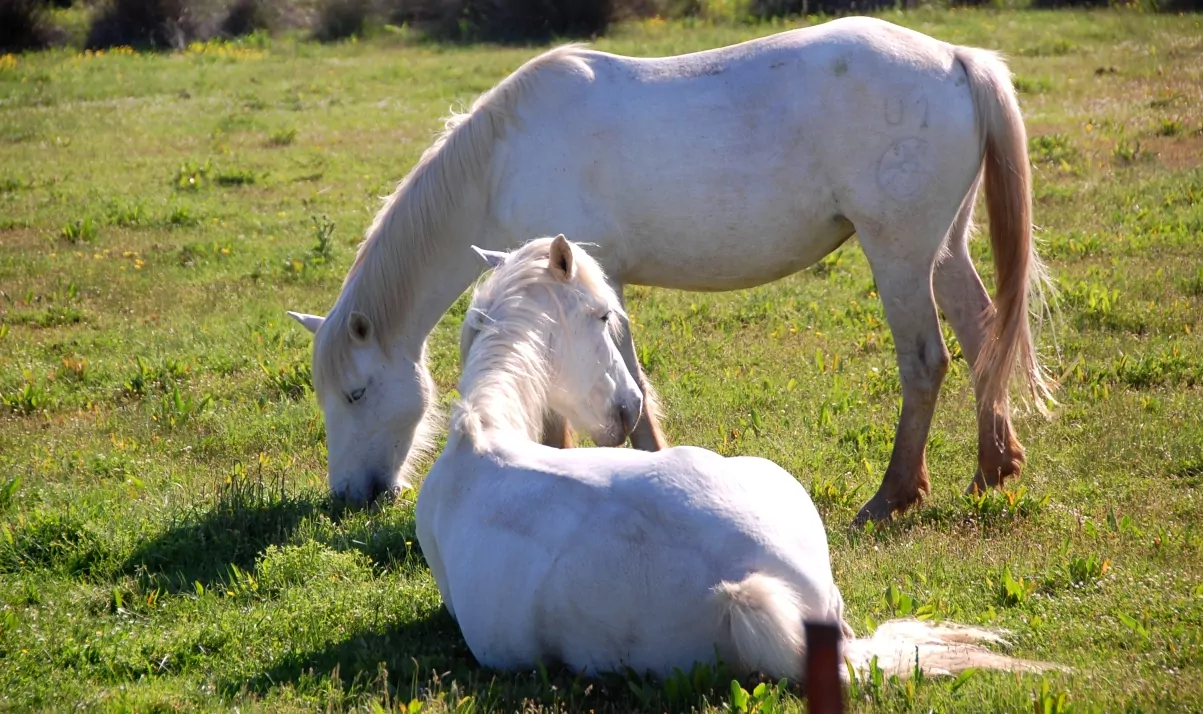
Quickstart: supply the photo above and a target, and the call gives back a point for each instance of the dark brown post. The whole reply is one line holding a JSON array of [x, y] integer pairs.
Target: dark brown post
[[824, 691]]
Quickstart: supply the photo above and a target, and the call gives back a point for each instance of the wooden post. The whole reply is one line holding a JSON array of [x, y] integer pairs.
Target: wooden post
[[824, 691]]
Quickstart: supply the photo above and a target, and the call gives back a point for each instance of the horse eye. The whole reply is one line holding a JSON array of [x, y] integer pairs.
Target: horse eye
[[608, 316], [356, 395]]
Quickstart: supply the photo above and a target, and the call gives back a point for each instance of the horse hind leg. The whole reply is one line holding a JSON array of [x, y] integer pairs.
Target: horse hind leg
[[902, 266], [964, 301]]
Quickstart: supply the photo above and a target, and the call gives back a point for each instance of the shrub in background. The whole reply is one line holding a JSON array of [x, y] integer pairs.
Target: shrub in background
[[424, 13], [340, 19], [242, 17], [524, 20], [1050, 4], [24, 25], [172, 24], [787, 8], [146, 24], [663, 8]]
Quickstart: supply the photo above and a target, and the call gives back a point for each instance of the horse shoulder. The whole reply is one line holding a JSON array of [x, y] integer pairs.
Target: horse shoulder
[[758, 465], [691, 457]]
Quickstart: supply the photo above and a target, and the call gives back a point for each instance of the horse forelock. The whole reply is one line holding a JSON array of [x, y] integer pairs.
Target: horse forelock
[[505, 365], [406, 231]]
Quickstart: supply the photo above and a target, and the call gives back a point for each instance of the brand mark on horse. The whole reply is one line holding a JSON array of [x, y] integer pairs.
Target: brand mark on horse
[[905, 168]]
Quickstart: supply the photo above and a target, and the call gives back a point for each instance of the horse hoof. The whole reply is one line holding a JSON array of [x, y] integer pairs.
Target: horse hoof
[[874, 511], [978, 485]]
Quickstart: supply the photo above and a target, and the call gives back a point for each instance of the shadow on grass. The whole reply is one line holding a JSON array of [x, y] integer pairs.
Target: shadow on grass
[[405, 651], [993, 513], [241, 521], [428, 659], [247, 515]]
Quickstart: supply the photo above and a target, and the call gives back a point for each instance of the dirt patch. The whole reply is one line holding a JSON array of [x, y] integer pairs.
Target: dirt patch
[[1178, 153], [22, 240]]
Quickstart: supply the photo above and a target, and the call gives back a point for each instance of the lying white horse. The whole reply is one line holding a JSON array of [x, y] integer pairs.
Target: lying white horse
[[710, 171], [608, 558]]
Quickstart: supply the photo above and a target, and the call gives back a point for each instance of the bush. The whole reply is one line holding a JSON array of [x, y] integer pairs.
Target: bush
[[628, 9], [152, 24], [246, 16], [427, 13], [340, 19], [1178, 5], [24, 25], [785, 8], [1053, 4], [528, 20]]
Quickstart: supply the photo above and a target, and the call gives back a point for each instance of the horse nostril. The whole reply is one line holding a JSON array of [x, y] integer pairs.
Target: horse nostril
[[629, 418], [378, 485]]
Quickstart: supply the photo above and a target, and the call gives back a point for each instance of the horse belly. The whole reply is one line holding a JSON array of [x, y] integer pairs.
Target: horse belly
[[690, 225], [713, 260], [735, 214], [613, 609]]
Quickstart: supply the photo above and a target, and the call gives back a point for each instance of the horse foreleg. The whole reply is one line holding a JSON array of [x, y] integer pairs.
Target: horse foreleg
[[963, 298], [556, 432], [922, 363], [646, 435]]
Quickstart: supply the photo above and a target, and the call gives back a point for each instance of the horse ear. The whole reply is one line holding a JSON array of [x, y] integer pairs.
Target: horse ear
[[561, 258], [475, 322], [493, 257], [477, 319], [360, 327], [311, 322]]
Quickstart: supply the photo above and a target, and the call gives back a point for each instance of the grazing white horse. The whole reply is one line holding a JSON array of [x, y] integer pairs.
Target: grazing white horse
[[608, 558], [716, 170]]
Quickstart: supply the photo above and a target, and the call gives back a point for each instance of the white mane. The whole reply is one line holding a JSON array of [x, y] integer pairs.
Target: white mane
[[407, 229], [505, 360], [422, 448]]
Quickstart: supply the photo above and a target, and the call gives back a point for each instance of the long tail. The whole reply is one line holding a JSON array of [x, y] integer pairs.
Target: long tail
[[1019, 274], [944, 649], [765, 619]]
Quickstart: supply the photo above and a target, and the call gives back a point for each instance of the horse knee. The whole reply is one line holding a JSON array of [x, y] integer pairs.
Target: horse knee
[[925, 368]]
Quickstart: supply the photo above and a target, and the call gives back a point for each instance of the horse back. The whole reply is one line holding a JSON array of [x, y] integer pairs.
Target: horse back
[[732, 167]]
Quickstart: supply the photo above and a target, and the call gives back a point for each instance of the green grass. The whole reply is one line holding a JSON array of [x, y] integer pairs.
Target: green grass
[[165, 542]]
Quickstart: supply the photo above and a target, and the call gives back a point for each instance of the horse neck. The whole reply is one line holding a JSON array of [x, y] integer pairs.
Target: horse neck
[[503, 387], [431, 269], [438, 284]]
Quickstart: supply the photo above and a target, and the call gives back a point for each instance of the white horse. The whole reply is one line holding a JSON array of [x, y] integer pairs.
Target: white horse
[[608, 558], [716, 170]]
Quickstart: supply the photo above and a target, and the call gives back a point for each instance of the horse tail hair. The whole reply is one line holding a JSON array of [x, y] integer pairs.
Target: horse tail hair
[[764, 617], [1020, 277], [904, 647]]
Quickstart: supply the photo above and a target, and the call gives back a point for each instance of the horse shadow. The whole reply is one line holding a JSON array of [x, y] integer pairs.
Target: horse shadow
[[427, 659], [244, 517], [389, 654], [232, 527]]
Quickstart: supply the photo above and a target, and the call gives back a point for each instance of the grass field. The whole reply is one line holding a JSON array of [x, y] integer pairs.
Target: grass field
[[166, 542]]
